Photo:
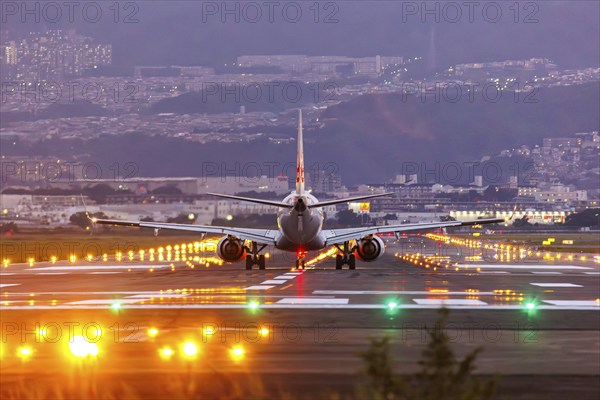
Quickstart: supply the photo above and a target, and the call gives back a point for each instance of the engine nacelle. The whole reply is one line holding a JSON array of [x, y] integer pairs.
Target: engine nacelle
[[231, 249], [369, 248]]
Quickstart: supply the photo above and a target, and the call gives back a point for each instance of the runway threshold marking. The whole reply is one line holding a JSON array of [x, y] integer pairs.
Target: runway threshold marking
[[273, 282], [555, 284]]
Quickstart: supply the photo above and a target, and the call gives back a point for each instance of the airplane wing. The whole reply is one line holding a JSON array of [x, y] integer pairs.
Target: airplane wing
[[337, 236], [263, 236]]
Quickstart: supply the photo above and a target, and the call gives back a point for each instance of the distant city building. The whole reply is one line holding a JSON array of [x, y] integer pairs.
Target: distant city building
[[329, 65], [324, 182], [51, 55]]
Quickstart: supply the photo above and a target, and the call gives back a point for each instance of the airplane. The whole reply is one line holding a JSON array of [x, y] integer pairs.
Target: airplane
[[299, 228]]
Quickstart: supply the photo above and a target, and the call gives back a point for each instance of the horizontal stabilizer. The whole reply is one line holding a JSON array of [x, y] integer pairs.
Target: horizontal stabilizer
[[251, 200], [347, 200]]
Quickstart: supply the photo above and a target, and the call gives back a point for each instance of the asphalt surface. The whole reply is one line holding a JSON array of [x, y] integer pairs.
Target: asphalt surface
[[279, 331]]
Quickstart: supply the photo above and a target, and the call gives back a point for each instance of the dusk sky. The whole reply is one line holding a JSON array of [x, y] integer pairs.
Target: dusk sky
[[190, 33]]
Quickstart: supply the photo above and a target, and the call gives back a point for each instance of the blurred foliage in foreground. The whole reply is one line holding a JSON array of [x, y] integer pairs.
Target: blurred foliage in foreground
[[441, 375]]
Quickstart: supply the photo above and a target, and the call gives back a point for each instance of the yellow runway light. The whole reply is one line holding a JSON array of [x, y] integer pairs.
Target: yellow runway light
[[80, 347], [189, 349], [166, 353]]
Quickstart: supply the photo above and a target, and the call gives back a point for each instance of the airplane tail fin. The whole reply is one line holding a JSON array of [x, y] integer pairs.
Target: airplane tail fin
[[300, 158]]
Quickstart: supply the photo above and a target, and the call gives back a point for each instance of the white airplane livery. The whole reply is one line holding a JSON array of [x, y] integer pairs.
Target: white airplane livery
[[300, 228]]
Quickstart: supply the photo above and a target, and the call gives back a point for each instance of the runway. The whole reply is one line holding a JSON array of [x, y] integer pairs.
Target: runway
[[281, 326]]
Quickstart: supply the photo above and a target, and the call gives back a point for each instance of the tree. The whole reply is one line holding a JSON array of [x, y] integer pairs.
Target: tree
[[82, 220], [441, 375], [8, 228], [181, 219], [589, 217]]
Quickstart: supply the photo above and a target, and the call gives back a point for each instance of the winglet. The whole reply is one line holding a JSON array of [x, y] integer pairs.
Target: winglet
[[513, 213], [87, 214]]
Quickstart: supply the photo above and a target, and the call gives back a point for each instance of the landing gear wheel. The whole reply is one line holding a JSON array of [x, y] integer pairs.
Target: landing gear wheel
[[261, 261], [249, 262], [352, 261], [297, 264], [339, 262], [303, 264]]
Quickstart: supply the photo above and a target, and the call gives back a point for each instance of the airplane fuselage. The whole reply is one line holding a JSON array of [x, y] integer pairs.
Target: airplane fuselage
[[300, 227]]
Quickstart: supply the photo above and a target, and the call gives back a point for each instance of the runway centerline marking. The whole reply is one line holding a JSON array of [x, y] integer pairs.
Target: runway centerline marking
[[555, 284], [8, 284]]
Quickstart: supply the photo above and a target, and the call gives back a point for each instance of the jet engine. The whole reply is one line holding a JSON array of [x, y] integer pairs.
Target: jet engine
[[231, 249], [369, 248]]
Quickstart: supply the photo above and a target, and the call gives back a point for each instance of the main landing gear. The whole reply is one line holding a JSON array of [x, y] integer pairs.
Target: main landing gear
[[254, 258], [345, 257]]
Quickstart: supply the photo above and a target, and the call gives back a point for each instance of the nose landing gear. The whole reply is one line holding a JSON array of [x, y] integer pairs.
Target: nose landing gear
[[300, 263]]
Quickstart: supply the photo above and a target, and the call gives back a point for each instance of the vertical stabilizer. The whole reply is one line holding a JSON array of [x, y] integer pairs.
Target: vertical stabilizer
[[300, 158]]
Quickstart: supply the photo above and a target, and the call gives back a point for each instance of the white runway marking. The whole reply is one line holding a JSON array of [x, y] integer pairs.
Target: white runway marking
[[592, 273], [407, 292], [546, 273], [303, 300], [573, 303], [521, 266], [8, 284], [259, 287], [52, 273], [7, 273], [107, 301], [273, 282], [493, 272], [583, 307], [555, 284], [285, 277], [155, 295], [104, 273], [99, 267], [293, 273], [450, 302]]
